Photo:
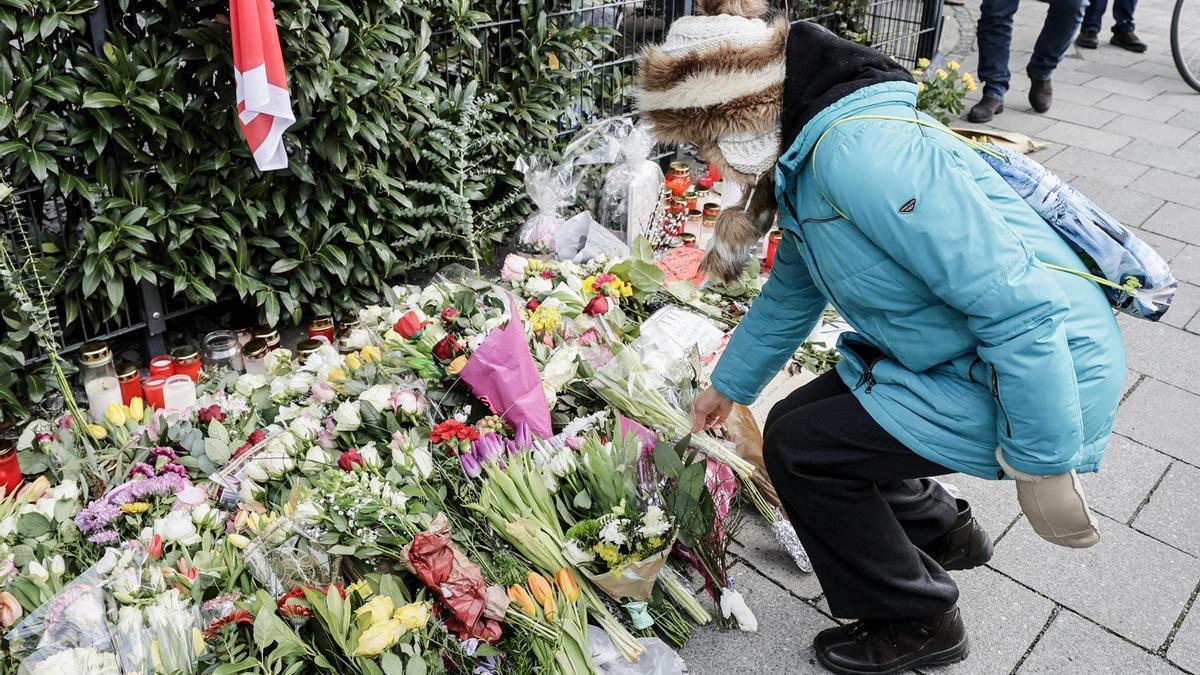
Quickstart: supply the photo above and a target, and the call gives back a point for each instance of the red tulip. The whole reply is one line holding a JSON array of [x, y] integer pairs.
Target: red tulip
[[597, 305], [409, 325], [155, 548]]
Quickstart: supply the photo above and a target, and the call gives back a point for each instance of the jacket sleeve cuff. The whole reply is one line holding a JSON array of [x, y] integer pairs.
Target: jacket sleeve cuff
[[1031, 472]]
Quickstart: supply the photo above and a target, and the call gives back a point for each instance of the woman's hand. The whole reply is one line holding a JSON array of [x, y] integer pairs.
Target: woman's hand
[[709, 409]]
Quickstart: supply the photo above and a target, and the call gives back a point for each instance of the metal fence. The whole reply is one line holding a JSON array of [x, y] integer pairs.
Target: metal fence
[[904, 29]]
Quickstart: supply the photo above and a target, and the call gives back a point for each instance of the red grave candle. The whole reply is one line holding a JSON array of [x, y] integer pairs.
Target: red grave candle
[[162, 366], [131, 382], [10, 469], [187, 361], [154, 391]]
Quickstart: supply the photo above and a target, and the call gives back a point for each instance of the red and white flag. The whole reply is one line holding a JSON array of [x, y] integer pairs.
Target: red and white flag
[[263, 104]]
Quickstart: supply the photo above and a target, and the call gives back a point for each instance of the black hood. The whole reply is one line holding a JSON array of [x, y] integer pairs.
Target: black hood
[[823, 68]]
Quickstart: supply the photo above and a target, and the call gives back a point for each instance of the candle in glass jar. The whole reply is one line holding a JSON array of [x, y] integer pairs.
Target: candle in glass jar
[[187, 361], [679, 179], [348, 323], [179, 392], [131, 382], [321, 328], [99, 378], [243, 335], [10, 468], [306, 348], [222, 350], [162, 366], [153, 388], [254, 356], [268, 335]]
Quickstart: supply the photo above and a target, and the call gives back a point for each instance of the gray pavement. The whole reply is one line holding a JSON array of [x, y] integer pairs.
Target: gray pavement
[[1125, 129]]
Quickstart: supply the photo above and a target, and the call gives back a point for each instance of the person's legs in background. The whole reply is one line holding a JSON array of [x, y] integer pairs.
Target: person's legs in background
[[1123, 35], [1089, 31], [1062, 22], [994, 34], [871, 524]]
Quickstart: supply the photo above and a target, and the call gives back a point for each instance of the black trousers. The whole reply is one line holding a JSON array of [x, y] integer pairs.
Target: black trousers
[[861, 504]]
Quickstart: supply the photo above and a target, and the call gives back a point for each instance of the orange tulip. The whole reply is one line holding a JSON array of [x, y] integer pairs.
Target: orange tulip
[[566, 582], [521, 599], [539, 587]]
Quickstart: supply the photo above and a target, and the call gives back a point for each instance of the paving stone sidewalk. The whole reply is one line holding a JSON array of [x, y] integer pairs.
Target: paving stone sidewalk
[[1125, 129]]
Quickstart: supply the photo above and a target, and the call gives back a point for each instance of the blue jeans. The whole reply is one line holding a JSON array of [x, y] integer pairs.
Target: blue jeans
[[1122, 15], [995, 41]]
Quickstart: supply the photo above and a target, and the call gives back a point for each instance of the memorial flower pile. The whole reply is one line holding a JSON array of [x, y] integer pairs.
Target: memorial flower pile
[[485, 474]]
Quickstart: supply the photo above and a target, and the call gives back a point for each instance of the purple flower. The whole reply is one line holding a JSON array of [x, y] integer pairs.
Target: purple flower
[[176, 469], [575, 443], [98, 514], [488, 448], [523, 437], [104, 537], [470, 465], [163, 451], [141, 469]]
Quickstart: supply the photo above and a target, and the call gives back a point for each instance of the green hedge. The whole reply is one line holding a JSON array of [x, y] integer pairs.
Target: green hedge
[[144, 136]]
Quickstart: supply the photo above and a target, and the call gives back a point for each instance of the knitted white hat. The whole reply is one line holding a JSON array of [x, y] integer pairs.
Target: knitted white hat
[[693, 33]]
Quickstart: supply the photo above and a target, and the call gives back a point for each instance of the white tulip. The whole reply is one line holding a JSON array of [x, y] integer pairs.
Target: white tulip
[[36, 571], [178, 527]]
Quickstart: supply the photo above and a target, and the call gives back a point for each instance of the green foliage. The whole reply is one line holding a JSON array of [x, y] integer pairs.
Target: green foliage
[[142, 143]]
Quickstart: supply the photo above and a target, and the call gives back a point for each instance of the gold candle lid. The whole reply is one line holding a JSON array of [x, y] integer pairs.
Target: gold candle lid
[[321, 323], [126, 371], [94, 353], [185, 353], [255, 348], [306, 347]]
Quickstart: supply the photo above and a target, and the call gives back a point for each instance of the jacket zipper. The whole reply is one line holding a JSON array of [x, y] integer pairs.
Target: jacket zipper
[[868, 375], [1000, 403]]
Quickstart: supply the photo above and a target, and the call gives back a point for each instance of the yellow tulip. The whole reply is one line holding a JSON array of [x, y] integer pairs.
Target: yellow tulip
[[379, 637], [371, 354], [97, 432], [413, 616], [337, 375], [136, 408], [116, 414], [539, 587], [353, 362], [379, 607], [238, 541], [197, 641]]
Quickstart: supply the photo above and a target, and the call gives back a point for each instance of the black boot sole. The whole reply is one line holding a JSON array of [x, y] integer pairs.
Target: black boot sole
[[946, 657], [1136, 49], [972, 561]]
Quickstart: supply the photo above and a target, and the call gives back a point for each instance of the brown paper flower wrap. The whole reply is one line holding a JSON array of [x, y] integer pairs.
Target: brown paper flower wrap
[[634, 581]]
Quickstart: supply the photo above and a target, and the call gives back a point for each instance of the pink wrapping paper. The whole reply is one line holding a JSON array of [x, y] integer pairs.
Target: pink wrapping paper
[[503, 375], [647, 437]]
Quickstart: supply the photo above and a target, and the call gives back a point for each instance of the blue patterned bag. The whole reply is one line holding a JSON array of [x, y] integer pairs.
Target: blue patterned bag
[[1135, 278]]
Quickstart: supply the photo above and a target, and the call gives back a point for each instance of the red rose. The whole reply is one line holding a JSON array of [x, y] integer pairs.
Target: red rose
[[450, 313], [349, 459], [547, 274], [212, 412], [447, 348], [256, 437], [409, 325], [596, 306], [533, 304]]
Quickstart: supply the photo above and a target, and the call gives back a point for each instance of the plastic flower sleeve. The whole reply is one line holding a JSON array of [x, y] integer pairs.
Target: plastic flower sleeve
[[631, 187], [77, 616], [502, 373], [552, 188]]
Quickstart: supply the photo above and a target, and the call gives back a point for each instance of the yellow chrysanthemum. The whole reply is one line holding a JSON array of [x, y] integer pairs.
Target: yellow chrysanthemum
[[135, 507], [545, 319]]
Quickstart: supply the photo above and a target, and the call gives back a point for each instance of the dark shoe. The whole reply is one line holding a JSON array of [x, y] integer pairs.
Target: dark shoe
[[880, 647], [1041, 94], [965, 546], [985, 110], [1088, 39], [1127, 39]]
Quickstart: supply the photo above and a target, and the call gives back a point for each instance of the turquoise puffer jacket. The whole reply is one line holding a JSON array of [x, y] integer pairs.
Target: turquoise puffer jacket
[[974, 344]]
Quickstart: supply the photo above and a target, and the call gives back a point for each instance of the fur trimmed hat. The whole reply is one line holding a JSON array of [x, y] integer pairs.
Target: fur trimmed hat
[[716, 82]]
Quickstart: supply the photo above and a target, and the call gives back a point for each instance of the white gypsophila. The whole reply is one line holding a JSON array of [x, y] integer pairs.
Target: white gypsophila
[[278, 362], [576, 555], [379, 396], [654, 523], [611, 532], [248, 383], [77, 660], [347, 416]]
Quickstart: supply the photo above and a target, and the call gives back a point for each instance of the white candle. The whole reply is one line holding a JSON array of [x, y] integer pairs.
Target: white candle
[[179, 393], [101, 392]]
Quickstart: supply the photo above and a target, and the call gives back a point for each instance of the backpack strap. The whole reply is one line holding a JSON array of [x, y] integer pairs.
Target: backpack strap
[[975, 145]]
